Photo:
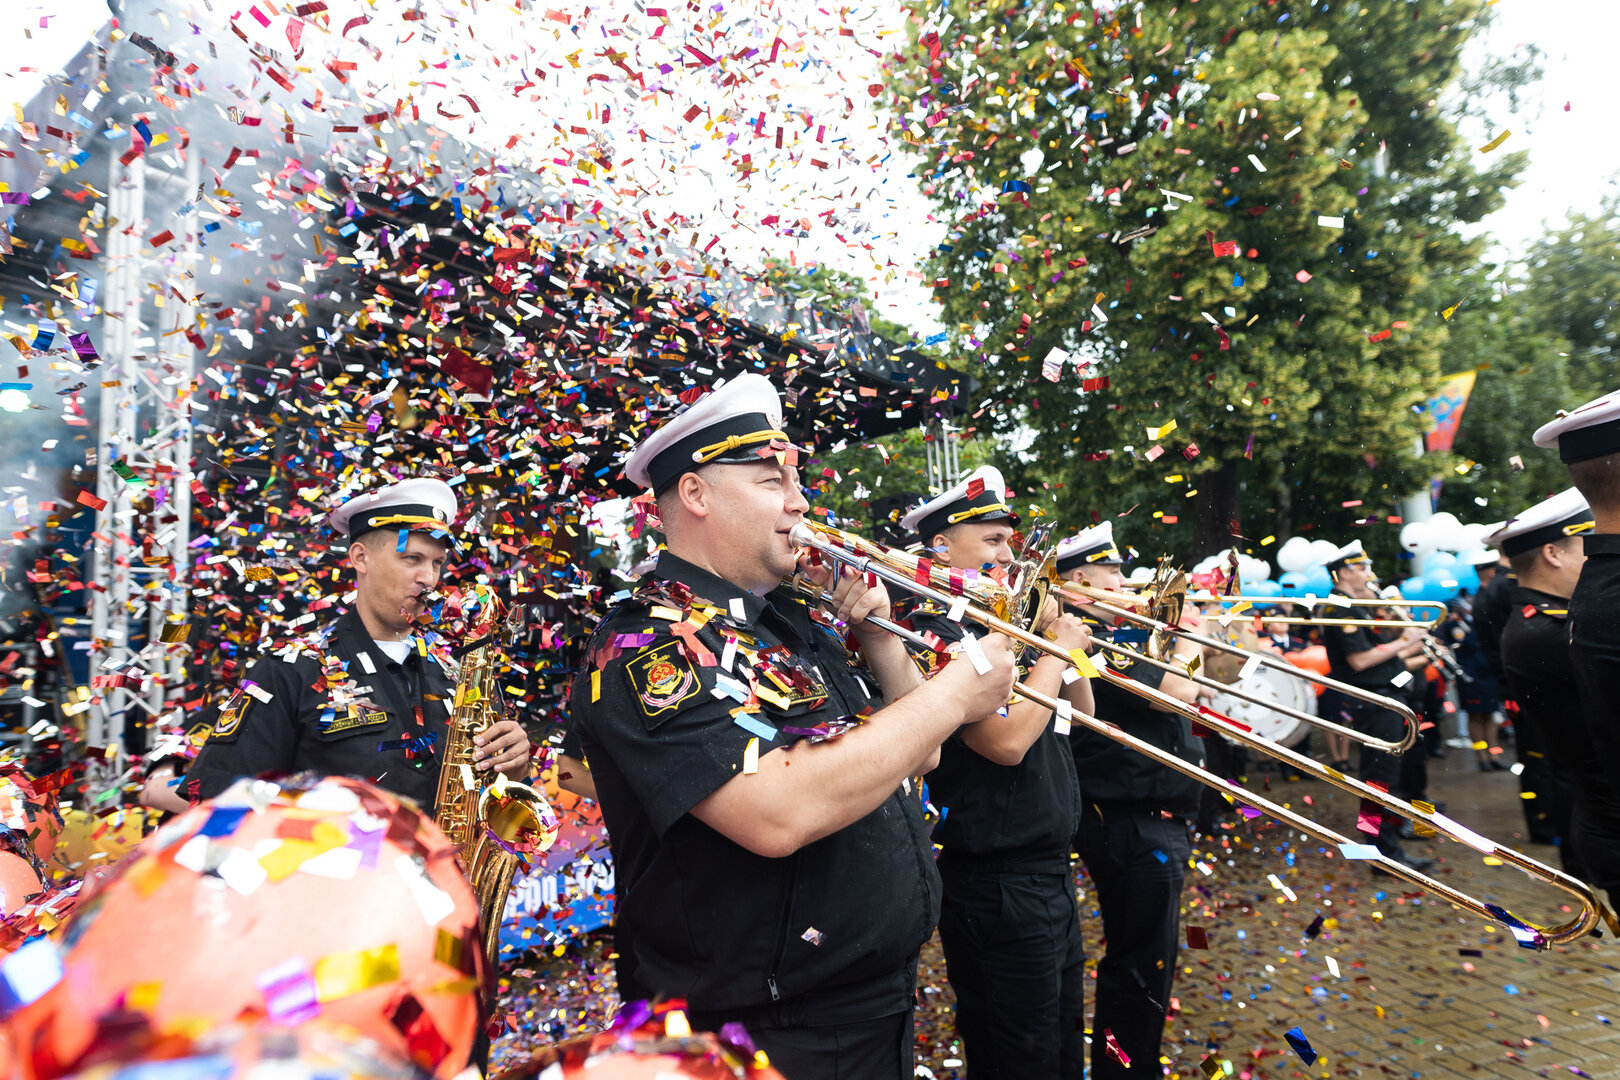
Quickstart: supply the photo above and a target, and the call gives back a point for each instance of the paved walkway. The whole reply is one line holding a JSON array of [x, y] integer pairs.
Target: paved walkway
[[1422, 990]]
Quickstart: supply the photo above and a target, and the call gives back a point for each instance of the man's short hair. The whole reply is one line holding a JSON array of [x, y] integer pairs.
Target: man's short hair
[[1599, 480], [670, 497], [1525, 561]]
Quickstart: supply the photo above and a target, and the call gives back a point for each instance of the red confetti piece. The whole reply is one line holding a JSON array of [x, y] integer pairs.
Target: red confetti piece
[[91, 500]]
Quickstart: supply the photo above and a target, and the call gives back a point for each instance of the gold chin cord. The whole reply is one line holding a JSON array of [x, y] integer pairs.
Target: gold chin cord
[[495, 823], [980, 600]]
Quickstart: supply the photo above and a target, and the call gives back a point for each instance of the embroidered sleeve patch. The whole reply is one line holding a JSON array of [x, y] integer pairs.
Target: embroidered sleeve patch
[[230, 718], [663, 678]]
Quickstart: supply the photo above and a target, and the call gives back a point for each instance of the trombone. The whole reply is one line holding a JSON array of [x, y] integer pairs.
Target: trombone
[[1311, 601], [910, 573], [1038, 579], [1168, 600]]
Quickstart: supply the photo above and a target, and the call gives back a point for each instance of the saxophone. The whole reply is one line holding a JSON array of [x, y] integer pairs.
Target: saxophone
[[494, 822]]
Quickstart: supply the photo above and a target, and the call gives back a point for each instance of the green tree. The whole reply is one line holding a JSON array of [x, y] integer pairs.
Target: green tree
[[1574, 289], [1523, 379], [1157, 189]]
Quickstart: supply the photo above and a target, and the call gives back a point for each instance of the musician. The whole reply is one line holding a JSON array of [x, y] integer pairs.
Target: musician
[[1547, 545], [1478, 691], [1588, 442], [1492, 607], [369, 694], [1009, 803], [1364, 656], [1134, 828], [772, 863]]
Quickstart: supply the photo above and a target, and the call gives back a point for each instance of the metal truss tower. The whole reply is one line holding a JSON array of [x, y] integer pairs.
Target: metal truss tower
[[144, 454]]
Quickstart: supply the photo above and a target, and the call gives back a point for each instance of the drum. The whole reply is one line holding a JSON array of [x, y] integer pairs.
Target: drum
[[1270, 684]]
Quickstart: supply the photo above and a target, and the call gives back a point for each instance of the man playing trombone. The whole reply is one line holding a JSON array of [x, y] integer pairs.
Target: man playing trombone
[[1009, 802], [1357, 655], [1133, 833], [773, 865]]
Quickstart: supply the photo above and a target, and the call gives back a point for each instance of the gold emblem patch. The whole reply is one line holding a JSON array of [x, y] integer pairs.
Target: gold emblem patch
[[230, 717], [356, 719], [663, 678]]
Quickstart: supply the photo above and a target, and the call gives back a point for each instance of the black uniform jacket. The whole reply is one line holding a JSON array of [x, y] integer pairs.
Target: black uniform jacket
[[1594, 638], [1015, 817], [333, 703], [678, 682], [1344, 641], [1117, 777], [1541, 679], [1492, 607]]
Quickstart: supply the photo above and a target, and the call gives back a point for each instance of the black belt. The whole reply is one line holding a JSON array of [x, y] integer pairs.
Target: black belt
[[1005, 862]]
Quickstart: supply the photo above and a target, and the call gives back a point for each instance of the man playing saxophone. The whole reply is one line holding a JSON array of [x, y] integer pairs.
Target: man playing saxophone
[[367, 695]]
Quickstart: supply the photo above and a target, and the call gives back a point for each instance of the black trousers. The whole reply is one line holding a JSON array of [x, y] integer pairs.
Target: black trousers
[[881, 1049], [1379, 767], [1594, 842], [1137, 863], [1015, 959]]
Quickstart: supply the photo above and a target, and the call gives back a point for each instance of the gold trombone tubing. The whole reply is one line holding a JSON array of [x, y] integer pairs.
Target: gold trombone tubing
[[1530, 935], [998, 600], [1330, 601], [1086, 595]]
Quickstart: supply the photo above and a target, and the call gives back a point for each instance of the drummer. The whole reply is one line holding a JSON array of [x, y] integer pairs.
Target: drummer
[[1134, 826]]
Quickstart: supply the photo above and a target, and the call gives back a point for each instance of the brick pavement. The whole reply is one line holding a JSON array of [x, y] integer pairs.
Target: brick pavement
[[1407, 1001]]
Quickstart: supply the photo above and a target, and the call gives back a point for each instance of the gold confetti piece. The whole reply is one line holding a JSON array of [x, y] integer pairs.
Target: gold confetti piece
[[1446, 314], [751, 757], [676, 1026], [342, 974], [1154, 434], [1083, 664], [1494, 143]]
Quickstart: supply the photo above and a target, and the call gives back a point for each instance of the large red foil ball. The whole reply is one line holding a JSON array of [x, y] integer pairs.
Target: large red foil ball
[[322, 898]]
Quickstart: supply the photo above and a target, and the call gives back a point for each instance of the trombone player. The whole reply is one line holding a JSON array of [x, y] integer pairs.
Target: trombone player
[[1009, 804], [773, 865], [1359, 655], [1134, 834]]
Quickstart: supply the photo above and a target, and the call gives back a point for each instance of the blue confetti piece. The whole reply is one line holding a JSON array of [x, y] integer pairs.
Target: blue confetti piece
[[223, 821], [28, 973], [755, 726], [1510, 989], [1302, 1046], [1237, 281], [1161, 856], [1358, 851], [1010, 187]]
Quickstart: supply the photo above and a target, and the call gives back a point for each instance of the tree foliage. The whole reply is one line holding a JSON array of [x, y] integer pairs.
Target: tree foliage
[[1155, 188]]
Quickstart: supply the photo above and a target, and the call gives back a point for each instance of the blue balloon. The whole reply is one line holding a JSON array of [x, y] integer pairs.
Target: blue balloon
[[1467, 579], [1413, 588], [1290, 584], [1317, 581], [1263, 588], [1439, 559], [1441, 583]]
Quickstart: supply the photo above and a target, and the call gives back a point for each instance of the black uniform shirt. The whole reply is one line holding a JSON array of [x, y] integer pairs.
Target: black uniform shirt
[[333, 703], [1115, 776], [1492, 607], [1344, 641], [1594, 638], [1541, 678], [1023, 816], [663, 724]]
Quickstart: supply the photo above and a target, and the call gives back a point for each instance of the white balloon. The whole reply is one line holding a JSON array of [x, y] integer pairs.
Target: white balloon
[[1295, 554], [1447, 531], [1322, 551], [1253, 569], [1416, 535]]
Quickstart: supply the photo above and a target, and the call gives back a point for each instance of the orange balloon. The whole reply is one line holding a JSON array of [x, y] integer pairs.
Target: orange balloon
[[18, 882], [321, 897], [308, 1052], [654, 1051], [1311, 658]]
